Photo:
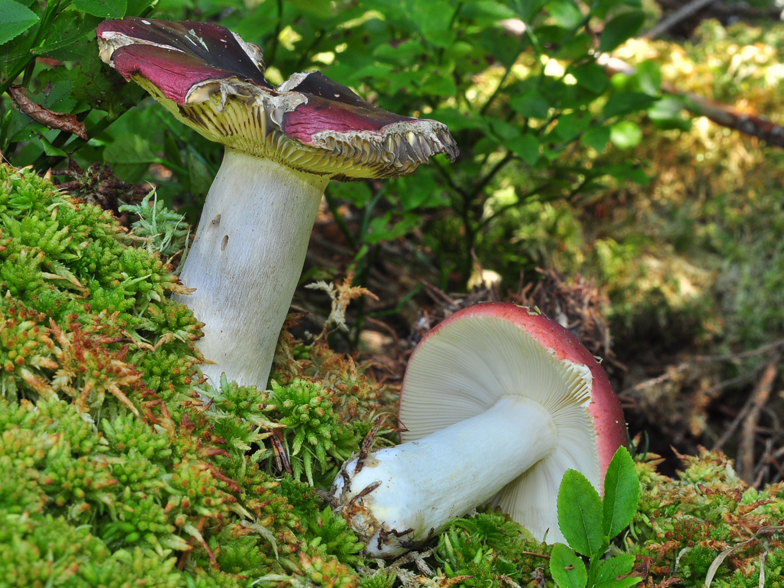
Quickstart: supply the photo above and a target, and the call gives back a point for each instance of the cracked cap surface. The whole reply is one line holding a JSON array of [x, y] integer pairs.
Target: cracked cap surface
[[213, 81]]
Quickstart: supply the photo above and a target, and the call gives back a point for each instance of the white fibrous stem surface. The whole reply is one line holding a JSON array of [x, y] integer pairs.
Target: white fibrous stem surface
[[246, 260], [403, 495]]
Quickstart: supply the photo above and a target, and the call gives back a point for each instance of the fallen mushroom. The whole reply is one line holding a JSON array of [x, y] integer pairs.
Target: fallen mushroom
[[497, 403], [283, 145]]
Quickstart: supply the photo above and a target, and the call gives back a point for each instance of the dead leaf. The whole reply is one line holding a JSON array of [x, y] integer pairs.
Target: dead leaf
[[54, 120]]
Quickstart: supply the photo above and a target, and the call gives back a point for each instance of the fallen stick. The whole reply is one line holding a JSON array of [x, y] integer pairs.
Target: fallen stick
[[760, 396], [670, 21], [722, 114]]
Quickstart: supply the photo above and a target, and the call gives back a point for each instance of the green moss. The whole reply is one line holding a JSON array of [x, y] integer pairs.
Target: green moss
[[118, 468], [683, 525], [122, 467]]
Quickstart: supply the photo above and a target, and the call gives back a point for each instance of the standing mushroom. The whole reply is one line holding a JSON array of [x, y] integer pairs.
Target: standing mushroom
[[497, 403], [283, 145]]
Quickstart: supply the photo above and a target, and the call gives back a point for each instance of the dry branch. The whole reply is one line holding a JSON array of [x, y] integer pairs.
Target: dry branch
[[722, 114], [670, 21], [757, 401]]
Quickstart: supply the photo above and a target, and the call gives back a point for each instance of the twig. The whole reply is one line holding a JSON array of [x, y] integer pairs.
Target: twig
[[737, 10], [630, 392], [534, 554], [758, 400], [721, 114], [730, 431], [713, 390], [437, 295], [751, 353], [745, 377], [676, 17], [389, 330], [762, 469]]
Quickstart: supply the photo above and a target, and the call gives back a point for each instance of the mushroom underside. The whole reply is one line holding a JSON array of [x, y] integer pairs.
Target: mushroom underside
[[499, 419]]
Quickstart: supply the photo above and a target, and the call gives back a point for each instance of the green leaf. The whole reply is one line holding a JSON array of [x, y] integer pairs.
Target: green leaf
[[610, 570], [129, 148], [602, 7], [199, 177], [566, 567], [649, 77], [322, 9], [486, 11], [526, 9], [565, 13], [439, 85], [596, 138], [619, 29], [15, 19], [102, 8], [358, 193], [503, 130], [591, 76], [456, 120], [416, 191], [580, 513], [621, 493], [383, 229], [575, 49], [405, 53], [434, 19], [667, 113], [402, 79], [531, 104], [628, 171], [50, 149], [572, 124], [626, 102], [626, 134], [526, 146]]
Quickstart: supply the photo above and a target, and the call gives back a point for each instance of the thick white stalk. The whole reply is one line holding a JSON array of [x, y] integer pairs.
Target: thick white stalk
[[246, 260], [402, 495]]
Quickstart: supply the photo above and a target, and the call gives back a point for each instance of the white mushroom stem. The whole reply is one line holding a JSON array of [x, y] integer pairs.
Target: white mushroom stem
[[246, 260], [405, 494]]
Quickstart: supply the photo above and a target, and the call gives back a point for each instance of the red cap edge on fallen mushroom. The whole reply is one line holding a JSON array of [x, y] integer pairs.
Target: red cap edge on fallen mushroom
[[605, 408]]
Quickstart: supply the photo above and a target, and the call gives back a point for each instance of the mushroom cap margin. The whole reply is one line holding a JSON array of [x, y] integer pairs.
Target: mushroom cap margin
[[213, 81], [605, 408], [530, 498]]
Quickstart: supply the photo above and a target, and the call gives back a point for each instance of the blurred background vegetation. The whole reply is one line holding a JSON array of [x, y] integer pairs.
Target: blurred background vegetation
[[596, 190]]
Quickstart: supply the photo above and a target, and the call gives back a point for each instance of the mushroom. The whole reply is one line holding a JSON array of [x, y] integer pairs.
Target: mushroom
[[283, 145], [497, 403]]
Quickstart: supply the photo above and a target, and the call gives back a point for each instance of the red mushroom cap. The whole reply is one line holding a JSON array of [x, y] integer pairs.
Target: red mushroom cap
[[213, 81]]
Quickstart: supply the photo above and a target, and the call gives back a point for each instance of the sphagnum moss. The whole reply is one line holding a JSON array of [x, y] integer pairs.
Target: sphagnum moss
[[121, 467]]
